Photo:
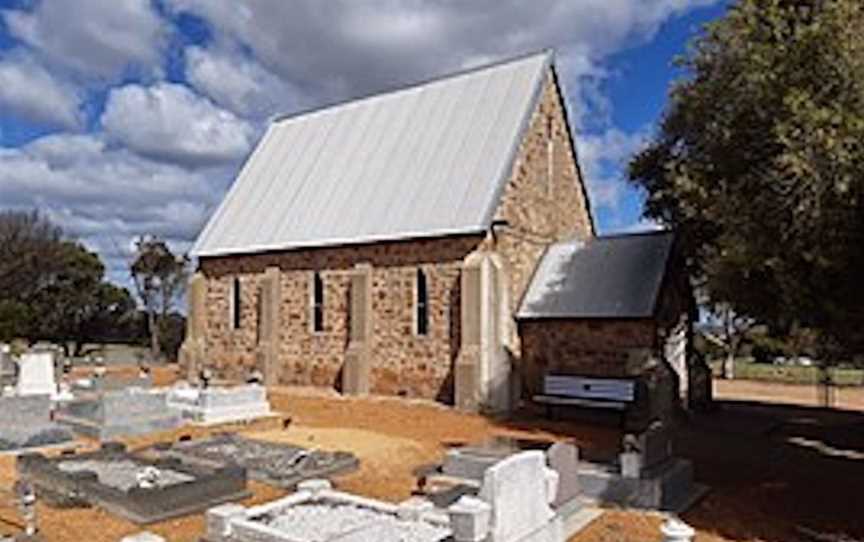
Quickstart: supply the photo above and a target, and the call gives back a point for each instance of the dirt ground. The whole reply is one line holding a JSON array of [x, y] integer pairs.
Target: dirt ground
[[846, 398], [777, 472]]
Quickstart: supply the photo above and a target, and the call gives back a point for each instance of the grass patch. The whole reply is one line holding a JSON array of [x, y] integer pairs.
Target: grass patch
[[790, 374]]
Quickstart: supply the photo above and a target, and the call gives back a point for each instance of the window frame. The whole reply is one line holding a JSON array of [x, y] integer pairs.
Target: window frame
[[236, 305], [421, 303], [316, 304]]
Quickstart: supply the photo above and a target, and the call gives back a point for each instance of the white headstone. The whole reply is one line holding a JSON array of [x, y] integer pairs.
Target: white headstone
[[36, 374], [516, 489]]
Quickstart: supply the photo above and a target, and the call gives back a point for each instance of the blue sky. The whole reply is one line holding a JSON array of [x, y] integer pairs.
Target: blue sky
[[131, 117]]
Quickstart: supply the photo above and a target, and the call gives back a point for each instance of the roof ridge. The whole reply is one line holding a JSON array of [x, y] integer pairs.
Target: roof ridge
[[412, 85]]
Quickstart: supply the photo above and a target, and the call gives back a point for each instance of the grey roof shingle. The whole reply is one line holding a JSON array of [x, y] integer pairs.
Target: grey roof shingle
[[604, 277], [422, 161]]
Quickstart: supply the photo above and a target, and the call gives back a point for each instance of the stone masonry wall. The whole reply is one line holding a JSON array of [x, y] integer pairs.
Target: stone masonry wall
[[403, 362]]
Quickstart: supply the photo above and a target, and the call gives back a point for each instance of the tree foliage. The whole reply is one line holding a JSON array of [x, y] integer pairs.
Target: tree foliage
[[759, 164], [160, 279], [52, 288]]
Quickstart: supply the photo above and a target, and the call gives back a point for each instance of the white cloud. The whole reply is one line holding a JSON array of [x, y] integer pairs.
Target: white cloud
[[238, 83], [345, 48], [170, 122], [107, 196], [29, 92], [603, 159], [92, 37]]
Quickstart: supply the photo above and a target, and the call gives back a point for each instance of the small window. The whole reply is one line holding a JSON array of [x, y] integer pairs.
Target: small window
[[317, 303], [422, 304], [235, 304]]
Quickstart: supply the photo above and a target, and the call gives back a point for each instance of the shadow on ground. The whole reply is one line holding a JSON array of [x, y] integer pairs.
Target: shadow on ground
[[778, 473]]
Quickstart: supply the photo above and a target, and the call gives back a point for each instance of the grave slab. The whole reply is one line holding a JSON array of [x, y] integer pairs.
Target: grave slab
[[220, 405], [325, 514], [279, 465], [25, 422], [119, 413], [114, 480]]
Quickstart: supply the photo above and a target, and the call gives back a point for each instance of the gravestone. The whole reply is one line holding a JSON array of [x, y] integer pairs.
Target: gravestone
[[317, 513], [129, 412], [649, 449], [563, 458], [220, 405], [279, 465], [112, 479], [8, 368], [517, 489], [36, 373], [25, 422]]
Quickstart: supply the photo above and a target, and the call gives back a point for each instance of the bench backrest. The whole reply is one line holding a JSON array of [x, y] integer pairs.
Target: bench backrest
[[609, 389]]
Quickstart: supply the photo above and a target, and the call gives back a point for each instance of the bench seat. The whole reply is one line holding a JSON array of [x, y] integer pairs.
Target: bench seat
[[590, 403], [577, 391]]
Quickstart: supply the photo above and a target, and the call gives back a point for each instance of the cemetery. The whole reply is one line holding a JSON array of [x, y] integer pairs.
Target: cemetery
[[152, 451]]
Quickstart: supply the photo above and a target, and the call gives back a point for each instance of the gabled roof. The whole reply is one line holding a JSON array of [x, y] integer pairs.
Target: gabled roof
[[427, 160], [604, 277]]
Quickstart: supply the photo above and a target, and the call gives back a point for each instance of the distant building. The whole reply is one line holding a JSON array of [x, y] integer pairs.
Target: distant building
[[407, 243]]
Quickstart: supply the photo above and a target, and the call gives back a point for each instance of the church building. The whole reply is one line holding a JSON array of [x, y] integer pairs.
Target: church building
[[436, 241]]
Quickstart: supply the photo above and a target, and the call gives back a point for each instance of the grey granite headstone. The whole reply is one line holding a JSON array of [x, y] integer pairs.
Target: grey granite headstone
[[655, 444], [563, 458]]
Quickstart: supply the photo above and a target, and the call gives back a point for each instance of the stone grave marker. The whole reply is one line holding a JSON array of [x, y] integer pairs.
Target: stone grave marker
[[129, 412], [517, 489], [36, 373], [112, 478], [213, 405], [279, 465], [25, 422], [563, 458]]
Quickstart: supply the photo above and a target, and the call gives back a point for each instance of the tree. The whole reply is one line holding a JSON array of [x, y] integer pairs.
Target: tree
[[729, 335], [759, 165], [160, 280], [53, 288], [28, 243]]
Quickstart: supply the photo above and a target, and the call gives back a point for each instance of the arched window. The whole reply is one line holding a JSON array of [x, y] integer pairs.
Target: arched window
[[422, 304], [317, 303], [235, 304]]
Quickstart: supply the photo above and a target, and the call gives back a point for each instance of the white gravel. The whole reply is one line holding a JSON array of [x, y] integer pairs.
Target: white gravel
[[349, 523]]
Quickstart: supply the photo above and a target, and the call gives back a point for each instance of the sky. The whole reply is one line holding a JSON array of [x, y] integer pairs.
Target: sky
[[124, 118]]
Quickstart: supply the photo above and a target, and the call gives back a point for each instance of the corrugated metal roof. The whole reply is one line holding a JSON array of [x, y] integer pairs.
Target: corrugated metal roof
[[422, 161], [604, 277]]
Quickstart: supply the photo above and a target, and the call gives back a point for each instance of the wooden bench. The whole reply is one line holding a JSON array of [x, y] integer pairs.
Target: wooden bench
[[577, 391]]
